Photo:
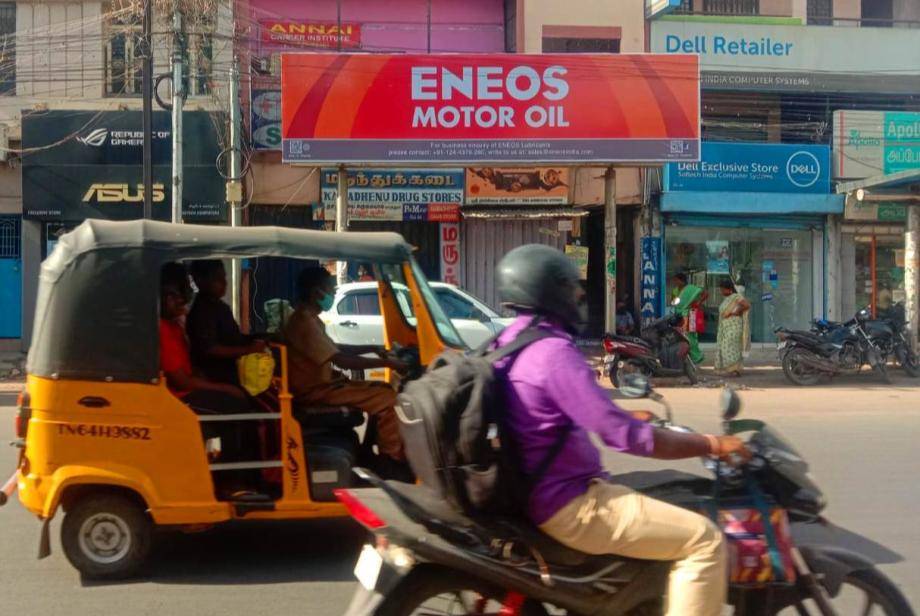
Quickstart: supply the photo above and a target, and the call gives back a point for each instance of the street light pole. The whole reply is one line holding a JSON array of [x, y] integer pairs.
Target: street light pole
[[147, 113], [235, 192], [178, 96]]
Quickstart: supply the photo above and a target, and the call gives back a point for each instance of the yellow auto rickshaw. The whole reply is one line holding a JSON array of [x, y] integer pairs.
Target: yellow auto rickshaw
[[103, 439]]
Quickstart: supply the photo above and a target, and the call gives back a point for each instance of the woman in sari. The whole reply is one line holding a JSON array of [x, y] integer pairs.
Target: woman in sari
[[734, 333], [688, 303]]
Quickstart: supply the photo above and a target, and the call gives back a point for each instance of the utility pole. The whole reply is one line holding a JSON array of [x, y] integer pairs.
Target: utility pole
[[341, 218], [610, 249], [147, 114], [234, 184], [178, 96]]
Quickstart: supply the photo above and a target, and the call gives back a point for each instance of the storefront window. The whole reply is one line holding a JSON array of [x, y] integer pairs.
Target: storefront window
[[774, 267], [879, 270]]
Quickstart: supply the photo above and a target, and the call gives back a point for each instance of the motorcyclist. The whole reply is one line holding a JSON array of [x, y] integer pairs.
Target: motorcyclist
[[552, 393]]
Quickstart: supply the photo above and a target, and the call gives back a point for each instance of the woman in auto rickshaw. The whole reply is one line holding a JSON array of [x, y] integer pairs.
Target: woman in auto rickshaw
[[103, 438]]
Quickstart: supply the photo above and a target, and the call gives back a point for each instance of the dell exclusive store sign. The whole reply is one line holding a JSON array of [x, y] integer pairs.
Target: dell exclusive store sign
[[754, 167]]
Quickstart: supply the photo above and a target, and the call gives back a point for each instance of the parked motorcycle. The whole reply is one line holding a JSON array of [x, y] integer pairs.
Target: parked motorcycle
[[828, 350], [890, 333], [662, 350], [426, 558]]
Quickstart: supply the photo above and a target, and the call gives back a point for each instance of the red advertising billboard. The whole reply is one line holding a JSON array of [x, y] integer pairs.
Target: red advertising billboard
[[339, 108]]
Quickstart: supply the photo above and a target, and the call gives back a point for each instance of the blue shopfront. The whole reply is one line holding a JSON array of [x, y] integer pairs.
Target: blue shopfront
[[755, 213]]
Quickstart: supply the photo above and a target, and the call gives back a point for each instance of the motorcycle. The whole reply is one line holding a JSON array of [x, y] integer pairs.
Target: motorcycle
[[662, 350], [426, 558], [830, 349], [891, 333]]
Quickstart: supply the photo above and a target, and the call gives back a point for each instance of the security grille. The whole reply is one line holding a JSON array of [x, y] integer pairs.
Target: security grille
[[821, 12], [731, 7], [9, 237]]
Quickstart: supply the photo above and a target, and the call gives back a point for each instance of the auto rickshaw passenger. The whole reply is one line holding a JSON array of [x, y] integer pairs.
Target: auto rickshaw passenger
[[214, 335], [312, 353], [202, 395]]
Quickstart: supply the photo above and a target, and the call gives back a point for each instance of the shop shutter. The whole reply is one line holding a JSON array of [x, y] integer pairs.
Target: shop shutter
[[422, 235], [484, 242]]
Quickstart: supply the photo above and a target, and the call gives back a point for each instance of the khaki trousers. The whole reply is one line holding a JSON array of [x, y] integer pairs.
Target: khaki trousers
[[613, 519], [374, 398]]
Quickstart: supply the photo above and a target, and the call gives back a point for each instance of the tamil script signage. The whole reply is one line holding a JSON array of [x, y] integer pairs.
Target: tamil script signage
[[317, 35], [88, 164], [455, 108], [745, 56], [266, 119], [432, 195], [869, 143], [449, 234], [753, 167]]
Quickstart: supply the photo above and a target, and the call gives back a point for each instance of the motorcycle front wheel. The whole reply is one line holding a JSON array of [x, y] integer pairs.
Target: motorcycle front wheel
[[799, 372], [439, 592], [908, 360], [866, 592], [629, 367]]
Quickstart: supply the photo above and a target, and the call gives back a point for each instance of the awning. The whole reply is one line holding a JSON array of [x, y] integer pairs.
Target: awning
[[528, 213], [750, 203], [901, 179]]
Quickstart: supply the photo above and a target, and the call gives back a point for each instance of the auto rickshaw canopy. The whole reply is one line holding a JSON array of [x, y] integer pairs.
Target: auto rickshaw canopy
[[98, 295]]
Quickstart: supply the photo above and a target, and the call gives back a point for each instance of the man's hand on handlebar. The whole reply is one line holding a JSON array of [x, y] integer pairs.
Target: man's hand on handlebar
[[646, 416], [728, 448]]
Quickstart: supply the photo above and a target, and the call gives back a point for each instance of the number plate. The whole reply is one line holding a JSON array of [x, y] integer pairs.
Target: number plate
[[368, 568]]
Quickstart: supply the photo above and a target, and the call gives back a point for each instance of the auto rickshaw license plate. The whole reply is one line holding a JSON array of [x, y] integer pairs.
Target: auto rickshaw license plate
[[368, 568]]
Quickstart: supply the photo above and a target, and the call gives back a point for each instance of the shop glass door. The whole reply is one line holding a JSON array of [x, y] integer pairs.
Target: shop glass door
[[773, 268]]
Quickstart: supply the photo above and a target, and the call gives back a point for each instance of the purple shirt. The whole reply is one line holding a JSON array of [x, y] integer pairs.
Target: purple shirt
[[548, 388]]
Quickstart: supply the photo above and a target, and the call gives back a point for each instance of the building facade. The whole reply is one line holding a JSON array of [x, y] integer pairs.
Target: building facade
[[790, 75]]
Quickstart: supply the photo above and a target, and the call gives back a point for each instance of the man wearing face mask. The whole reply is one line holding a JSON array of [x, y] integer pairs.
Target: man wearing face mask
[[311, 355]]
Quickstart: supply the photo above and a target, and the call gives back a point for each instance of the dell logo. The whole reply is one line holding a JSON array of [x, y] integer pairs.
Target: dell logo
[[803, 169]]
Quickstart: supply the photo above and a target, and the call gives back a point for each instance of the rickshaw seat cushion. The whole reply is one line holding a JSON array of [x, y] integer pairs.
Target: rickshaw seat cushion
[[328, 417]]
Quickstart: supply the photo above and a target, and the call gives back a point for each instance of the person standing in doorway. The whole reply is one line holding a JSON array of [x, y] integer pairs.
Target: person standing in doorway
[[734, 333], [688, 303]]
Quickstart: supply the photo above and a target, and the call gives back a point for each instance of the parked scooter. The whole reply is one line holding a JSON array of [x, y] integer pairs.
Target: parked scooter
[[662, 350], [890, 333], [426, 558]]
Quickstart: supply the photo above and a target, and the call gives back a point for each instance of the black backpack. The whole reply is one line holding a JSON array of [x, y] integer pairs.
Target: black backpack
[[452, 423]]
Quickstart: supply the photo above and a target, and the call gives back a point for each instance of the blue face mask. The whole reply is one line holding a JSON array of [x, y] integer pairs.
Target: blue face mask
[[325, 302]]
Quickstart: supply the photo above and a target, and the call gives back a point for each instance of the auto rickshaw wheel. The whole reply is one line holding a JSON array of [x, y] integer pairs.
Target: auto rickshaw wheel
[[106, 536]]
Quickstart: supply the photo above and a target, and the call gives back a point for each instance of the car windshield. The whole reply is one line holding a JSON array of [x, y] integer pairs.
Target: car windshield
[[393, 274]]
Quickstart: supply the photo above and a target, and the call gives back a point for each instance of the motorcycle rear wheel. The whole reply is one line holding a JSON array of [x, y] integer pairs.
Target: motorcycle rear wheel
[[435, 591], [797, 372]]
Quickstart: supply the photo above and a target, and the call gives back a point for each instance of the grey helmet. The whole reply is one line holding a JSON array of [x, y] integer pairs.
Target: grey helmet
[[539, 279]]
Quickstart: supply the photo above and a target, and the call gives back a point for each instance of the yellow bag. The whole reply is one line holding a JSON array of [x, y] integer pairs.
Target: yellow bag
[[255, 371]]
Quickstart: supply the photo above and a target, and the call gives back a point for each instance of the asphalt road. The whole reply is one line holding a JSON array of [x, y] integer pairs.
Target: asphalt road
[[861, 439]]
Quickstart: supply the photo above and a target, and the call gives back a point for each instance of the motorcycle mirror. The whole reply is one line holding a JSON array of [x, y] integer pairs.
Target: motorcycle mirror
[[635, 385], [730, 404]]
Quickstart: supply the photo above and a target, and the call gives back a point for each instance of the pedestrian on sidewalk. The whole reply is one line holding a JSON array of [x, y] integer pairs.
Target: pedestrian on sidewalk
[[688, 303], [734, 334]]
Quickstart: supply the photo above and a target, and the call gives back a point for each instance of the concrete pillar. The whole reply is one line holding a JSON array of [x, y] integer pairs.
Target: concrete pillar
[[31, 264], [610, 249], [833, 270], [911, 265]]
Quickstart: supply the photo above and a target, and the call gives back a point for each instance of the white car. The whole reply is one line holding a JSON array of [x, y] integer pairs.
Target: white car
[[355, 314]]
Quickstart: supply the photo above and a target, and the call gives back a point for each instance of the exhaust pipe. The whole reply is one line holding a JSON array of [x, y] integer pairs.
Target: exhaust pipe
[[8, 488], [817, 363]]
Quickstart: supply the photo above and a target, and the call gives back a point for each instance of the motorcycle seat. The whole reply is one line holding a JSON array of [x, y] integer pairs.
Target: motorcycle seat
[[523, 535], [629, 340]]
